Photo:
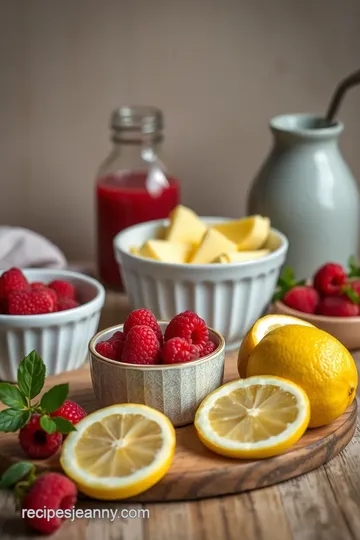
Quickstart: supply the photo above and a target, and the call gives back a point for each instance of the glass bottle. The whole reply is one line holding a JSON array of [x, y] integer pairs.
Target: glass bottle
[[132, 184]]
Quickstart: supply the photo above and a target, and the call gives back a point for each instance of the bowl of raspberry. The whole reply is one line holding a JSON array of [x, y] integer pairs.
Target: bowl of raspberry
[[229, 297], [54, 312], [170, 366], [330, 300]]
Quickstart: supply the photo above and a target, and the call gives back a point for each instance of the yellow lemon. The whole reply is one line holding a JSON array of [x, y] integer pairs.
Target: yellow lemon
[[314, 360], [253, 418], [119, 451], [256, 333]]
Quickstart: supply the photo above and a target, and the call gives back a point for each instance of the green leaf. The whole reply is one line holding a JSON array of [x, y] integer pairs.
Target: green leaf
[[31, 375], [48, 424], [63, 425], [12, 419], [288, 274], [353, 267], [11, 396], [14, 473], [54, 398], [351, 294]]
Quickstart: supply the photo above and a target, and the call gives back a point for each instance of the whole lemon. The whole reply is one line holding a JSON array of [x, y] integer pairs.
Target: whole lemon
[[314, 360]]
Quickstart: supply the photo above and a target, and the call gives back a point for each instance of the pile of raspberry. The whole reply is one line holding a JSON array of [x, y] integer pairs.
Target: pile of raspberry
[[19, 297], [186, 338], [333, 292]]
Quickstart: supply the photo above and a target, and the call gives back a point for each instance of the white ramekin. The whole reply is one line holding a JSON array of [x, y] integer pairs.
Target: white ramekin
[[229, 297], [176, 390], [61, 338]]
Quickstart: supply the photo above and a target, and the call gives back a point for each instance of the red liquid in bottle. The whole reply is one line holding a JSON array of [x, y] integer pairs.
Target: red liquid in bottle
[[122, 201]]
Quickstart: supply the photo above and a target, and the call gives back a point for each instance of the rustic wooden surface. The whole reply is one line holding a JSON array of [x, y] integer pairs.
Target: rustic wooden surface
[[323, 504]]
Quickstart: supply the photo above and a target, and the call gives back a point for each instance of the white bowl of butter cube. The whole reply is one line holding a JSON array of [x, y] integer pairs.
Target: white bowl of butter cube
[[224, 270]]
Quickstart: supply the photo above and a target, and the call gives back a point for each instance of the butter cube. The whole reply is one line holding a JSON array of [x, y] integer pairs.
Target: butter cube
[[241, 256], [185, 226], [249, 233], [212, 245], [165, 251]]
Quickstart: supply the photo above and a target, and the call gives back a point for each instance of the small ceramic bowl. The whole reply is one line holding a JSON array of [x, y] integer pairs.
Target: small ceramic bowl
[[60, 338], [345, 329], [176, 390]]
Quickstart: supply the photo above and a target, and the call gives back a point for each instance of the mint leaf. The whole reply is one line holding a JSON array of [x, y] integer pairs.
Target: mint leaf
[[48, 424], [12, 419], [351, 294], [54, 398], [63, 425], [354, 269], [14, 473], [288, 275], [11, 396], [31, 375]]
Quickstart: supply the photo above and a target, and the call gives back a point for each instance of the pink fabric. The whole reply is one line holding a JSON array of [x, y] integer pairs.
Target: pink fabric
[[26, 249]]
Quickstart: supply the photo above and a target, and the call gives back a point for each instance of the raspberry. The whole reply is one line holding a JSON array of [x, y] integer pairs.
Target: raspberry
[[337, 306], [118, 340], [63, 289], [66, 303], [10, 281], [141, 346], [39, 286], [52, 491], [208, 348], [30, 302], [36, 443], [143, 317], [70, 411], [329, 279], [303, 299], [107, 349], [355, 285], [178, 350], [189, 326]]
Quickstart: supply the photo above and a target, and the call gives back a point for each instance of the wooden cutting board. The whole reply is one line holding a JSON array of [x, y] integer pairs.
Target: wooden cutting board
[[196, 472]]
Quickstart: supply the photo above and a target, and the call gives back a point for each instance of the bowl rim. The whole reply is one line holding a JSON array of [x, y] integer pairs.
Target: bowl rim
[[59, 316], [156, 367], [314, 317], [195, 267]]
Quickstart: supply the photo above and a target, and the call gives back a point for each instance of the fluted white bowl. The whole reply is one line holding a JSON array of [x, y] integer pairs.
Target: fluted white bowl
[[229, 297], [61, 338], [176, 390]]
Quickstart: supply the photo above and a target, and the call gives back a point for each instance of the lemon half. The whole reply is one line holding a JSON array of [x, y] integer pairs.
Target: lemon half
[[119, 451], [258, 331], [253, 418]]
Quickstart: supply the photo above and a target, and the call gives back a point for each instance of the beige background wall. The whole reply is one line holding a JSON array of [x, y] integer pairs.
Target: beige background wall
[[218, 69]]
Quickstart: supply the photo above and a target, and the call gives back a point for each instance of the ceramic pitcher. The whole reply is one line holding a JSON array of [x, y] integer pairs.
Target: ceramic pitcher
[[309, 193]]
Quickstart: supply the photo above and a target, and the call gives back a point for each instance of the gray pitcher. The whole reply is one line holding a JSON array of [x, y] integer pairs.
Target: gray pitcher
[[309, 193]]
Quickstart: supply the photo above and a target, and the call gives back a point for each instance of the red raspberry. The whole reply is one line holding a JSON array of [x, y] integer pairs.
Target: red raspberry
[[70, 411], [355, 285], [38, 286], [329, 279], [118, 340], [63, 289], [337, 306], [143, 317], [107, 349], [66, 303], [10, 281], [30, 302], [52, 491], [304, 299], [36, 443], [178, 350], [189, 326], [208, 348], [141, 346]]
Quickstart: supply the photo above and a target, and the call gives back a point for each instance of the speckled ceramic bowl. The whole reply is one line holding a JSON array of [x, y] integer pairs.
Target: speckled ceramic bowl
[[176, 390]]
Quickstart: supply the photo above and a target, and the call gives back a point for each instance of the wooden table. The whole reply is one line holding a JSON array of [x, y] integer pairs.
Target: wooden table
[[324, 504]]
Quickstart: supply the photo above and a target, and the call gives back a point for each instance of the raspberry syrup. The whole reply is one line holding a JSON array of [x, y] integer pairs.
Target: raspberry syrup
[[122, 200]]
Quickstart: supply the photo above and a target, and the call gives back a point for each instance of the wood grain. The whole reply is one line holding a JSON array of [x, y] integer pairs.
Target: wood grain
[[197, 472]]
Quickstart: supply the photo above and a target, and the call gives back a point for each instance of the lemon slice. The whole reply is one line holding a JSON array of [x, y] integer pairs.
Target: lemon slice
[[119, 451], [253, 418], [259, 330]]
